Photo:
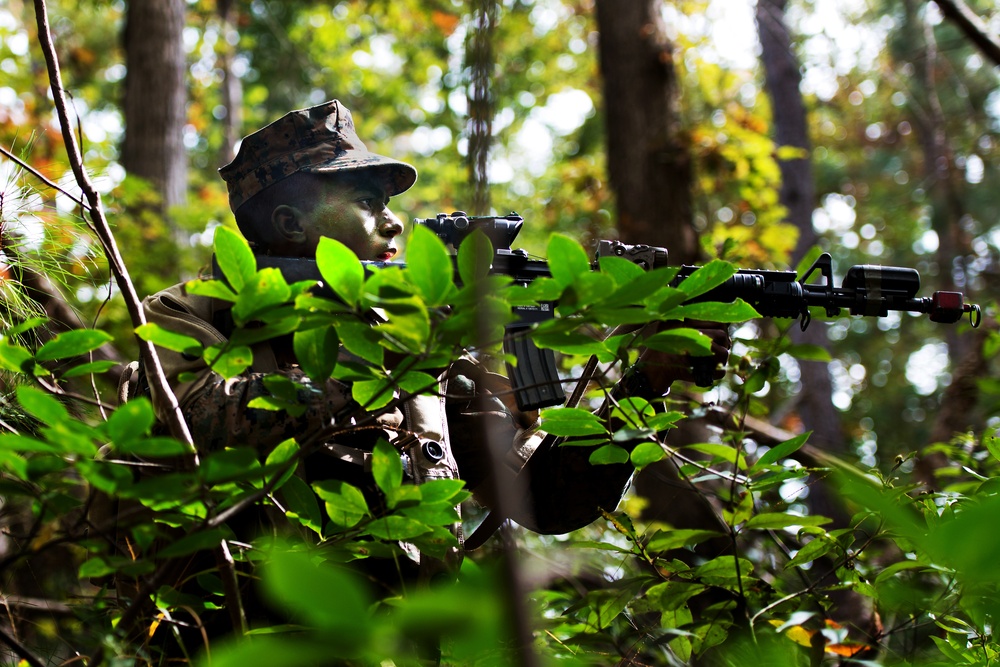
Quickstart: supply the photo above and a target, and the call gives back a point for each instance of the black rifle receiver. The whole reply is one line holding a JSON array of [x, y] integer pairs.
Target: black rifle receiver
[[866, 290]]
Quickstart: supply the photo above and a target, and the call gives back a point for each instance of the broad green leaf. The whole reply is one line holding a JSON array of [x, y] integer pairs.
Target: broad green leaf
[[188, 544], [720, 451], [130, 421], [316, 350], [345, 504], [680, 341], [42, 406], [417, 382], [169, 340], [475, 256], [329, 598], [620, 269], [153, 447], [572, 422], [72, 344], [282, 455], [387, 468], [230, 465], [608, 454], [451, 491], [373, 394], [361, 339], [24, 326], [263, 291], [231, 362], [92, 367], [301, 504], [782, 450], [707, 278], [672, 595], [429, 266], [646, 453], [341, 270], [709, 311], [396, 528], [775, 520], [815, 548], [215, 289], [567, 259], [234, 256], [674, 538], [13, 357], [23, 443], [807, 352], [13, 464]]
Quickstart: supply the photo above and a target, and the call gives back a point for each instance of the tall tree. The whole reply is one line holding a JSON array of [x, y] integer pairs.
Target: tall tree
[[649, 159], [783, 79], [154, 103]]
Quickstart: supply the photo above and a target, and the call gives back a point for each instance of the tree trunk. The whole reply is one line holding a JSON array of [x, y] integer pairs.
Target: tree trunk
[[649, 161], [155, 97], [798, 196], [232, 87]]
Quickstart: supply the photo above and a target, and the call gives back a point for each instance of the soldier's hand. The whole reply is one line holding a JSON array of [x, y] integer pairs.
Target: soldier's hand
[[661, 369]]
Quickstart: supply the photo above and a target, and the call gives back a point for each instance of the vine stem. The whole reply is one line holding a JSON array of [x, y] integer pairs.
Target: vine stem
[[175, 419]]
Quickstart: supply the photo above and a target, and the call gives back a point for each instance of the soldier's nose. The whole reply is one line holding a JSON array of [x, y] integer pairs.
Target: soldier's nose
[[390, 226]]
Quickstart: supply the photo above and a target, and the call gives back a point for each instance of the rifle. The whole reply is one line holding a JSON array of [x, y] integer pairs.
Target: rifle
[[866, 290]]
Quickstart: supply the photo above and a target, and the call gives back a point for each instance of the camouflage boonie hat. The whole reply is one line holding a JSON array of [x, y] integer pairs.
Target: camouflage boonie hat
[[319, 140]]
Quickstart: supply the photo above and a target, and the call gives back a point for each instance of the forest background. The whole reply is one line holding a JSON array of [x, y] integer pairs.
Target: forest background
[[755, 133]]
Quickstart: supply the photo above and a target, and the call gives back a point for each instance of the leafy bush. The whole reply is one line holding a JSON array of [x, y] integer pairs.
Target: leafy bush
[[909, 576]]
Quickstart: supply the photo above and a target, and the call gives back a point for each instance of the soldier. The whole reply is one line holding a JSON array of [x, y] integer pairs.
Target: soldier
[[306, 176]]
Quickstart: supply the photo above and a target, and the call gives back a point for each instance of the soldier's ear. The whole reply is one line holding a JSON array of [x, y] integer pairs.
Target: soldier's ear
[[287, 223]]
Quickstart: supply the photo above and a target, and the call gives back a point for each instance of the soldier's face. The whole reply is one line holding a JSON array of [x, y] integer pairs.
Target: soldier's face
[[353, 209]]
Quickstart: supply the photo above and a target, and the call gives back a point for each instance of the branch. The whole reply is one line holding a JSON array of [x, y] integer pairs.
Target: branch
[[974, 27], [175, 419]]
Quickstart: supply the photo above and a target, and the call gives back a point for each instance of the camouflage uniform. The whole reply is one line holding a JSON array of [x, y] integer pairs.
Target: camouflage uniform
[[559, 490]]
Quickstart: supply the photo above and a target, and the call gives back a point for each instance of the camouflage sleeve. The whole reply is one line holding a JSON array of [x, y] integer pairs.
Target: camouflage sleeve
[[219, 415], [549, 489]]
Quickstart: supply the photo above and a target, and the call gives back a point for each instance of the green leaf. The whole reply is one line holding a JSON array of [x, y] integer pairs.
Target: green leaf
[[193, 542], [475, 256], [775, 520], [387, 468], [153, 447], [373, 394], [361, 339], [328, 598], [72, 344], [429, 266], [130, 421], [646, 453], [396, 528], [230, 465], [231, 362], [815, 548], [42, 406], [13, 357], [234, 256], [301, 504], [91, 367], [572, 422], [567, 259], [665, 540], [316, 351], [680, 341], [707, 278], [280, 456], [345, 504], [168, 340], [608, 454], [215, 289], [263, 291], [14, 464], [807, 352], [782, 450], [341, 270], [709, 311]]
